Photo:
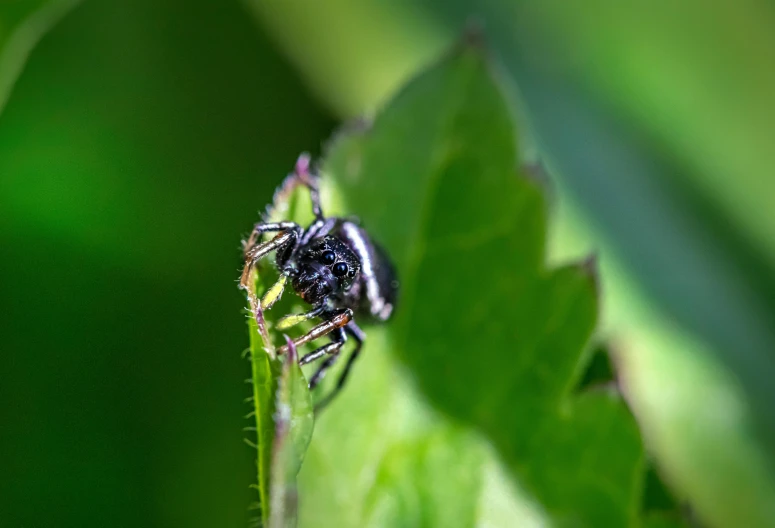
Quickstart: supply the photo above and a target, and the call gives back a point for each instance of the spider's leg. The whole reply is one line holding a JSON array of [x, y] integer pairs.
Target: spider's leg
[[294, 319], [359, 336], [268, 227], [337, 319], [305, 176], [301, 175], [257, 252], [252, 256], [320, 227], [317, 377], [332, 350]]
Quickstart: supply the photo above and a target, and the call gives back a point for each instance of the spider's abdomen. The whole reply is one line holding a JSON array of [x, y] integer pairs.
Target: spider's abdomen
[[374, 295]]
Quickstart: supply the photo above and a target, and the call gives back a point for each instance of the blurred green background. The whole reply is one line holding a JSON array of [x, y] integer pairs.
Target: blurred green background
[[140, 139]]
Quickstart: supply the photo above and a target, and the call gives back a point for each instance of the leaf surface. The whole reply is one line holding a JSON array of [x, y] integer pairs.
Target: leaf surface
[[493, 338], [293, 429], [284, 421]]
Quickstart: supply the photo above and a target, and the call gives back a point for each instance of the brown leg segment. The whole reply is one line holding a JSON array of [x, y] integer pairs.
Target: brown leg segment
[[261, 228], [339, 320], [338, 339], [255, 253]]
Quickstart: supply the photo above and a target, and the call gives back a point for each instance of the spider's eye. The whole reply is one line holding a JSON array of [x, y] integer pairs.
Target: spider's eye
[[327, 257], [340, 269]]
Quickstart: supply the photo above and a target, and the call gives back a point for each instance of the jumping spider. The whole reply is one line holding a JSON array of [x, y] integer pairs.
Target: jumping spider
[[332, 265]]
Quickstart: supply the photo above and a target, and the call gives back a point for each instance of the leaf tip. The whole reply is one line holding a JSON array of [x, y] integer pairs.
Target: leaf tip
[[535, 171], [473, 34], [472, 42], [589, 268], [292, 354]]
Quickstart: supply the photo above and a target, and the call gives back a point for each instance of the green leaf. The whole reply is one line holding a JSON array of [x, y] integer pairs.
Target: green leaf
[[283, 422], [418, 496], [640, 115], [382, 457], [22, 24], [265, 372], [493, 338], [293, 430], [672, 170]]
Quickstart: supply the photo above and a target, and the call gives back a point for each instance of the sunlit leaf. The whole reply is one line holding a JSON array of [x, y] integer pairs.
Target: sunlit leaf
[[386, 456], [493, 338], [657, 121]]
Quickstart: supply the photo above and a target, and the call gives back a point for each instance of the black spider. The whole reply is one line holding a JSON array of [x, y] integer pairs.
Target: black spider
[[334, 266]]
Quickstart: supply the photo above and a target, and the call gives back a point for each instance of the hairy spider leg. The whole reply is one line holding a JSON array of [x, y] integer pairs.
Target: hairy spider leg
[[320, 227], [257, 252], [339, 341], [301, 175], [359, 336], [304, 175], [317, 377], [314, 195], [252, 256], [338, 319], [268, 227], [338, 338]]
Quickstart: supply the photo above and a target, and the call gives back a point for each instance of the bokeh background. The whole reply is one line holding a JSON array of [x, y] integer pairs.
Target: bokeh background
[[140, 139]]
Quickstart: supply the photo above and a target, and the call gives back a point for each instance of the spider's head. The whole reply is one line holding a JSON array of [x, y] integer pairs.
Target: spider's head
[[325, 266]]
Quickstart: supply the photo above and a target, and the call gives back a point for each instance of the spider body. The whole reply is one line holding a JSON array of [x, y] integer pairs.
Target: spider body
[[333, 265]]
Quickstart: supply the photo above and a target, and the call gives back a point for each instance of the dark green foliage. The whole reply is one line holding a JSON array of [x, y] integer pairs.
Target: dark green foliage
[[137, 146]]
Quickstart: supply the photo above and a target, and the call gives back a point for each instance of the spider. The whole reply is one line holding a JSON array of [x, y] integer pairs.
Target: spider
[[334, 266]]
